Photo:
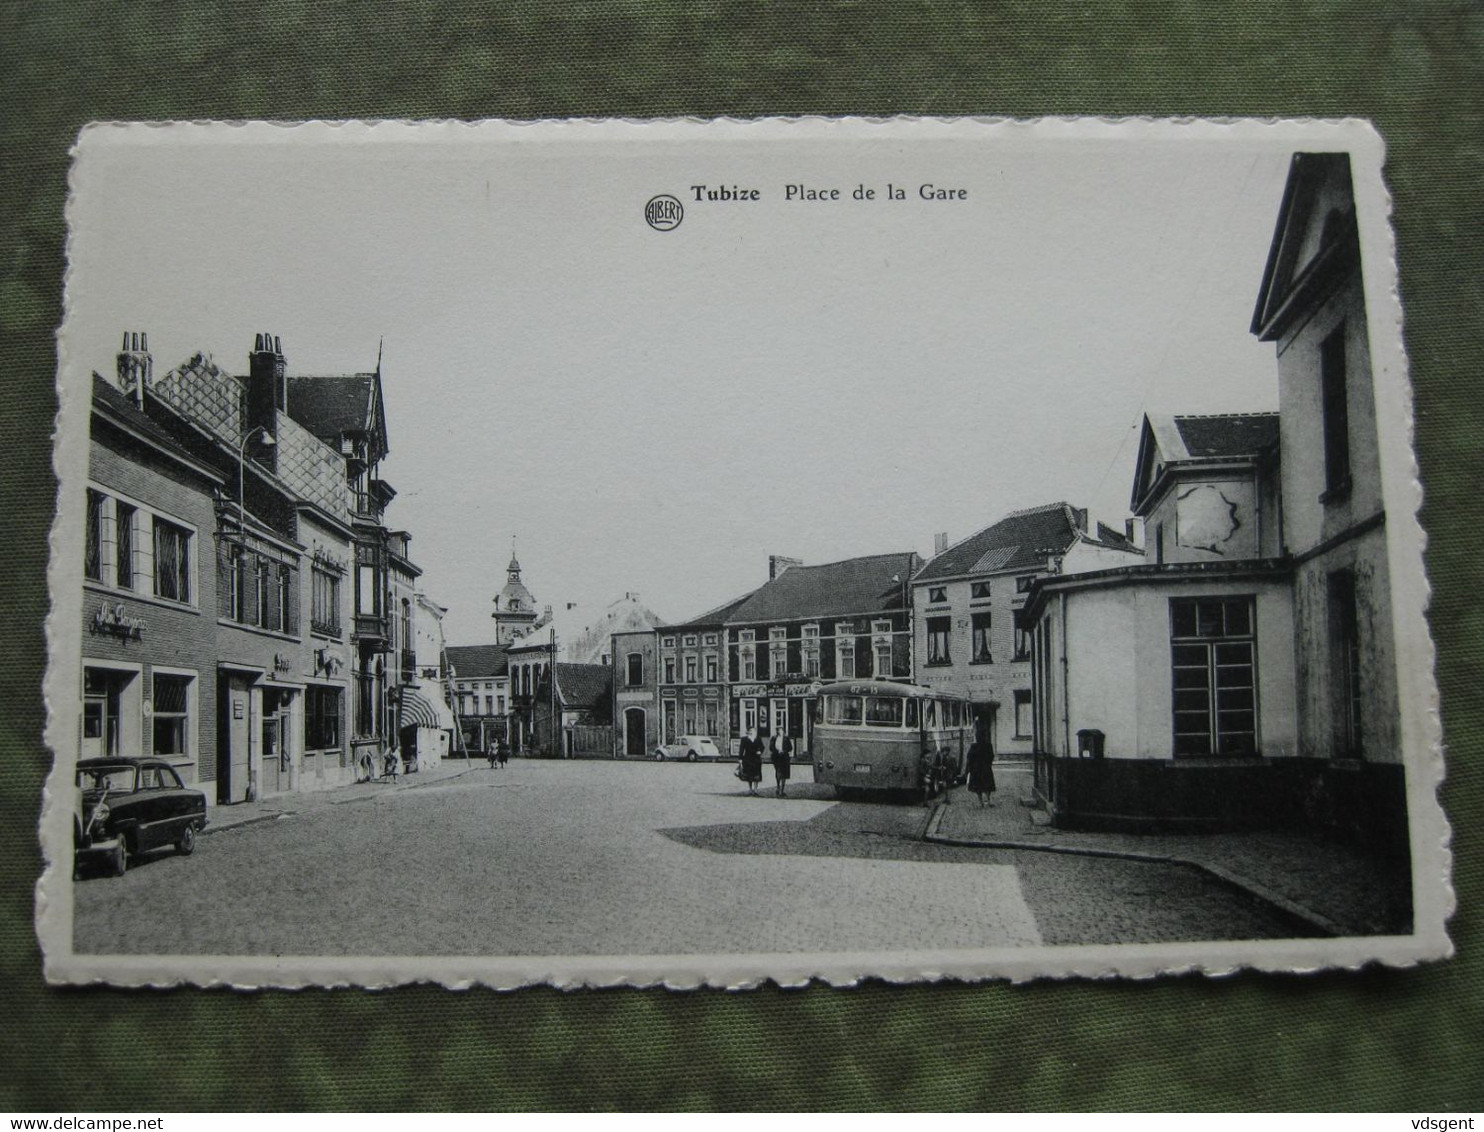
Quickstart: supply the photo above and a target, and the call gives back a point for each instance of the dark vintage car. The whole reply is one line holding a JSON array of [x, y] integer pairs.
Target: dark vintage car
[[129, 806]]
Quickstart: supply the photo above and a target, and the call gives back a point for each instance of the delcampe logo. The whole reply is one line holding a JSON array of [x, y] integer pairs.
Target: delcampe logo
[[663, 212]]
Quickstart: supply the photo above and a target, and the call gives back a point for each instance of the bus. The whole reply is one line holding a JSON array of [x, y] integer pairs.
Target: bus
[[880, 735]]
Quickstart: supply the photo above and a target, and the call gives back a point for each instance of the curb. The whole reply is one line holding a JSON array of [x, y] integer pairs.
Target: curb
[[228, 827], [1320, 923]]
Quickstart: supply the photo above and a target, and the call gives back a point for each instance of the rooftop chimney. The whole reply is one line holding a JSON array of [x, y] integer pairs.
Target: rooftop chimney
[[1080, 513], [777, 564], [267, 393], [135, 366], [940, 542]]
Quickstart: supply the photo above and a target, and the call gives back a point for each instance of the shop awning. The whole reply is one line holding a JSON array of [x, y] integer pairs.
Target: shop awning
[[419, 710]]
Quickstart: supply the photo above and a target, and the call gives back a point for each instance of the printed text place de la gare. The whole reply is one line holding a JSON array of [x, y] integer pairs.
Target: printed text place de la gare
[[925, 190]]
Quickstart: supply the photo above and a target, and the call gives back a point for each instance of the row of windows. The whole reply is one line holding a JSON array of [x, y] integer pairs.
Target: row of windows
[[132, 548], [110, 695], [469, 705], [256, 589], [980, 590], [939, 630]]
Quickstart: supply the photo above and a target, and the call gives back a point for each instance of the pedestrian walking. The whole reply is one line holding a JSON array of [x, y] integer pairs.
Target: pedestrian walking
[[502, 749], [981, 766], [781, 753], [494, 755], [750, 765]]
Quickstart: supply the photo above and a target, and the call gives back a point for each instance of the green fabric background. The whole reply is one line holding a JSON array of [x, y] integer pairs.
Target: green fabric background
[[1406, 1040]]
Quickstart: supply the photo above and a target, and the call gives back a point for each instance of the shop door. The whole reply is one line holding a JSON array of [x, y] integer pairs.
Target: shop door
[[796, 730], [100, 713], [633, 743], [275, 745], [234, 752], [780, 718]]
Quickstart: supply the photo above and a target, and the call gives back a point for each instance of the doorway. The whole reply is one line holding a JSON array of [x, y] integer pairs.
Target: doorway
[[277, 755], [234, 737], [633, 732]]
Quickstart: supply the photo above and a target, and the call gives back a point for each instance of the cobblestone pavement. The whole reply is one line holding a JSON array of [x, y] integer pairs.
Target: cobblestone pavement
[[1333, 888], [643, 858]]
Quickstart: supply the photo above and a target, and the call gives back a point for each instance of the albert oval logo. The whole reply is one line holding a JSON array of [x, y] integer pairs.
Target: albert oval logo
[[663, 213]]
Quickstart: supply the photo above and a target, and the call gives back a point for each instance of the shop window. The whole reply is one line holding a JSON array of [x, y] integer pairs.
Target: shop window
[[171, 716], [982, 653], [1214, 676], [321, 718], [938, 630]]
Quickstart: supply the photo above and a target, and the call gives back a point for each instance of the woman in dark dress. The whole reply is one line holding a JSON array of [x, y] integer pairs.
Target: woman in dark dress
[[782, 754], [751, 768], [981, 766]]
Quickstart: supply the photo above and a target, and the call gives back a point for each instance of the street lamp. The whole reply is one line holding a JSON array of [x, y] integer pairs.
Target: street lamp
[[268, 442]]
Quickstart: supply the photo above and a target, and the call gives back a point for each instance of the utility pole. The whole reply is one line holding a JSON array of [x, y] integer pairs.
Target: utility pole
[[556, 738]]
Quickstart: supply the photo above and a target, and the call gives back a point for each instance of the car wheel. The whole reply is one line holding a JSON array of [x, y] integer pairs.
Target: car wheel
[[120, 859], [187, 843], [659, 756], [691, 756]]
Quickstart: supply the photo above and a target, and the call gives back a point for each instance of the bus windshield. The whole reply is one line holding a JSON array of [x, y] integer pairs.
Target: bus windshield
[[883, 711], [842, 709]]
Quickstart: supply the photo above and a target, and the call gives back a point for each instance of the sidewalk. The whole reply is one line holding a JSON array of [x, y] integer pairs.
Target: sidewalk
[[222, 818], [1334, 889]]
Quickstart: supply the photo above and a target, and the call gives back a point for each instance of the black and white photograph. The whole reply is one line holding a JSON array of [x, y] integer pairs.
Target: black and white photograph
[[705, 553]]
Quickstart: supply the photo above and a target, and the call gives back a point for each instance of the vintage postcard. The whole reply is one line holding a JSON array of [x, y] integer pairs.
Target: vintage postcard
[[703, 553]]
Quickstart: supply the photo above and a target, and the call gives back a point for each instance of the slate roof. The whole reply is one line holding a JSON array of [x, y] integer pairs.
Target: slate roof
[[110, 396], [835, 589], [472, 662], [716, 616], [585, 687], [332, 406], [1228, 434], [1019, 540]]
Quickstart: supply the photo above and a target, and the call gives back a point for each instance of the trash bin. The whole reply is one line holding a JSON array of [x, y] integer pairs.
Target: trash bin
[[1090, 743]]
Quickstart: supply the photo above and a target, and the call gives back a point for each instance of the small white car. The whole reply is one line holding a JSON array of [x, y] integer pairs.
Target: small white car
[[689, 748]]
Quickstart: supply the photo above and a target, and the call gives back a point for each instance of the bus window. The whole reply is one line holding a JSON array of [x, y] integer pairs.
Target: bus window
[[843, 709], [930, 714], [911, 713], [883, 711], [958, 714]]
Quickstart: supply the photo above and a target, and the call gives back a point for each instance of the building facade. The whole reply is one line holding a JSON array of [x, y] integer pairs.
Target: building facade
[[1246, 675], [148, 671], [479, 676], [964, 601], [809, 625], [223, 529]]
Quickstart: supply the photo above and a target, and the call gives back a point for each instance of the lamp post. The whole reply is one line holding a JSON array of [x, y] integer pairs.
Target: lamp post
[[252, 769], [268, 442]]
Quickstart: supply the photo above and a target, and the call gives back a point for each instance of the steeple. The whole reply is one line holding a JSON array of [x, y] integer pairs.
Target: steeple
[[515, 606]]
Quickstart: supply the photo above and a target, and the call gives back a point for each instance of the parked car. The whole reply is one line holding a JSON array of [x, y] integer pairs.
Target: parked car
[[128, 806], [689, 748]]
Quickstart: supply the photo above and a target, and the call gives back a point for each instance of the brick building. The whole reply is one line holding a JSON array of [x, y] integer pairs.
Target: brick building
[[964, 602]]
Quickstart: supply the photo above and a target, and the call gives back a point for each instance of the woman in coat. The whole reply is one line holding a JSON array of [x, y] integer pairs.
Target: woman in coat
[[781, 753], [981, 766], [751, 768]]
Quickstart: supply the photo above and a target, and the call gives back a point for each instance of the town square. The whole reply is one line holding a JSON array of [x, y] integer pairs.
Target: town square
[[383, 662]]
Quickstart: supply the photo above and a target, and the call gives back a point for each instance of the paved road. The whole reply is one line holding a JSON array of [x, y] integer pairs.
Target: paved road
[[629, 858]]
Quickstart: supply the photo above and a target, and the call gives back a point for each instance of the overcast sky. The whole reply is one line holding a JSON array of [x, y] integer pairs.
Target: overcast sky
[[659, 411]]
